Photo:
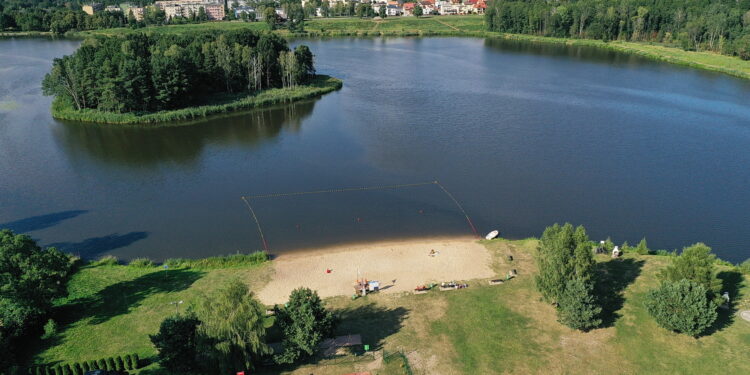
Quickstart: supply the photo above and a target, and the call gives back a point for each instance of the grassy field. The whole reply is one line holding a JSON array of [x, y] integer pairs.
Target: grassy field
[[469, 26], [320, 85], [483, 329]]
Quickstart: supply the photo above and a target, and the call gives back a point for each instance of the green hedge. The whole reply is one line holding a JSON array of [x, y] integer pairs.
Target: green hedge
[[320, 85]]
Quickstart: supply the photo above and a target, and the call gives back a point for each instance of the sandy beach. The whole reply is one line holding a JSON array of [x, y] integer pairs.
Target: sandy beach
[[399, 266]]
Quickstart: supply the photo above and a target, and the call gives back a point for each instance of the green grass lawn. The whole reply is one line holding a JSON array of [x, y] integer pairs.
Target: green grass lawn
[[111, 309], [484, 329]]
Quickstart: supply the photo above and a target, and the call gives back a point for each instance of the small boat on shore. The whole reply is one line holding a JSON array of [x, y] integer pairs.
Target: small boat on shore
[[492, 234]]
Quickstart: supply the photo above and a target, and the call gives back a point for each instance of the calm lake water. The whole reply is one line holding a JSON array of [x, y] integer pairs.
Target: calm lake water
[[523, 135]]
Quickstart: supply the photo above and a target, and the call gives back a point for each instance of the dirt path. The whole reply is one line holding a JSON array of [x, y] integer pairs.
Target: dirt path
[[399, 266], [451, 26]]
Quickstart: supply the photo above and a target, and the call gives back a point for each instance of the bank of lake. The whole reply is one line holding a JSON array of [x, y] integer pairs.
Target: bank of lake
[[459, 26]]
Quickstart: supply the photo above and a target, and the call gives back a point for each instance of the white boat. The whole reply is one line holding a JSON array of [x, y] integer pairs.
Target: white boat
[[492, 234]]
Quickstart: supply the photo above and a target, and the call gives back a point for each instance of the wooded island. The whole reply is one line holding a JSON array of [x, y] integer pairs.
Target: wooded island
[[154, 75]]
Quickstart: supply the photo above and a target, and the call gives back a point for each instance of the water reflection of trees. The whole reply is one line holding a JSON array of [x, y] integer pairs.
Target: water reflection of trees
[[150, 145], [585, 53]]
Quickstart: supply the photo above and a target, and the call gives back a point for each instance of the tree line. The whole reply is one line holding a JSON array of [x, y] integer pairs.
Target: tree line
[[30, 279], [721, 26], [146, 73], [686, 301]]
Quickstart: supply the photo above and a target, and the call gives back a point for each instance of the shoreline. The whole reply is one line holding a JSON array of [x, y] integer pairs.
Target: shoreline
[[458, 26], [321, 85]]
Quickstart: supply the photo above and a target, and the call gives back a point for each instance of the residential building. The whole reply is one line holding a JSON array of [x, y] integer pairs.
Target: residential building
[[240, 10], [393, 10], [184, 8], [92, 8], [137, 12]]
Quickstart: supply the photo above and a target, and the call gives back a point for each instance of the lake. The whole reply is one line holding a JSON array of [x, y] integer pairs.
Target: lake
[[522, 135]]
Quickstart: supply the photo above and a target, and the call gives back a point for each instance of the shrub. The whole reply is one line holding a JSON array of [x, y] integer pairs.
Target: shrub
[[50, 329], [38, 370], [642, 247], [696, 263], [110, 364], [136, 361], [625, 247], [141, 262], [77, 369], [128, 362], [85, 366], [682, 306], [745, 266], [108, 260], [119, 364], [101, 364], [58, 370], [67, 370], [93, 365]]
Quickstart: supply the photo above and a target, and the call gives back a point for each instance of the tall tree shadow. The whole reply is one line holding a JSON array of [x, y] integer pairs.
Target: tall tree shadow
[[731, 283], [92, 247], [375, 323], [612, 277], [120, 298], [33, 223]]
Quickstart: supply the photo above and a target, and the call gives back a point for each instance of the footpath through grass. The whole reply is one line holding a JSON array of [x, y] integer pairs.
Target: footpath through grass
[[468, 26]]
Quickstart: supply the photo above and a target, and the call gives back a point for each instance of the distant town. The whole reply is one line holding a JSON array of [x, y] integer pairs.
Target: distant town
[[215, 11]]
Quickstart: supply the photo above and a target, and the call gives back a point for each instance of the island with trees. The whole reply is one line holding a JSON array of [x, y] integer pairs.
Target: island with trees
[[150, 78]]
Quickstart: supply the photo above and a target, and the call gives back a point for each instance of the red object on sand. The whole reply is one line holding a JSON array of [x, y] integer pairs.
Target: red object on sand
[[328, 270]]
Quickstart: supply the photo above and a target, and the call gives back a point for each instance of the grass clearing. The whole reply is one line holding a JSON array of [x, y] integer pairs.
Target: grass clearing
[[111, 309], [483, 329]]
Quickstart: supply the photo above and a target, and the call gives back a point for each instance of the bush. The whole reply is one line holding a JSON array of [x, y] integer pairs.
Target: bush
[[110, 364], [745, 266], [136, 361], [128, 362], [108, 260], [93, 365], [85, 366], [119, 364], [101, 364], [682, 306], [141, 262], [642, 247], [50, 329], [67, 370], [77, 369], [58, 370]]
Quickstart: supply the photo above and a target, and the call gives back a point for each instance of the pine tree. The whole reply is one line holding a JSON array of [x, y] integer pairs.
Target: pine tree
[[642, 247], [682, 306], [578, 308], [304, 322], [695, 263]]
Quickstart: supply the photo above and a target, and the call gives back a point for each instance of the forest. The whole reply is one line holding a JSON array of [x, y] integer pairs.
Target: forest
[[146, 73], [721, 26]]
